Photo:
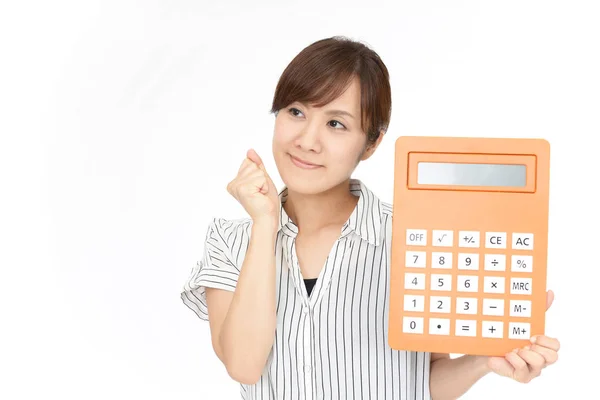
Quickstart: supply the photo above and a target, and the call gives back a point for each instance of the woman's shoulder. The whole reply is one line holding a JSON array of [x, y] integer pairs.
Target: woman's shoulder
[[386, 209], [228, 230]]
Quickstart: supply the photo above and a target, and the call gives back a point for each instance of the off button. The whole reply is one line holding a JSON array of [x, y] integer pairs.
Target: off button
[[416, 237]]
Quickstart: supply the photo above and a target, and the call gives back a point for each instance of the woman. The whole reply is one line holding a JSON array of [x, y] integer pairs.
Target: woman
[[297, 293]]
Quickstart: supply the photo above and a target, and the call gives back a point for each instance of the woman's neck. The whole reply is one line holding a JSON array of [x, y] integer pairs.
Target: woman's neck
[[312, 213]]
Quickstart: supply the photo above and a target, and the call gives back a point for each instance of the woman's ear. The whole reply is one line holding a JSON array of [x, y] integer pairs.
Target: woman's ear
[[370, 149]]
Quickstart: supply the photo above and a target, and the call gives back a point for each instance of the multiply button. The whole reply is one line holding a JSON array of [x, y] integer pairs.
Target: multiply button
[[493, 284], [416, 237], [522, 241], [495, 240]]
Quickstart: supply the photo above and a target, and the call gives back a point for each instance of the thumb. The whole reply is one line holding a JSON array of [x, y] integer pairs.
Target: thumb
[[549, 299], [255, 158]]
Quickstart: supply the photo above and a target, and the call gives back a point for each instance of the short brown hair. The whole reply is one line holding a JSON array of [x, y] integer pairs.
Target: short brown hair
[[323, 70]]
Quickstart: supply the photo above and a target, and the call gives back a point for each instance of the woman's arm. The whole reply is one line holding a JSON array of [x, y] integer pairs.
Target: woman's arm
[[451, 378], [243, 328]]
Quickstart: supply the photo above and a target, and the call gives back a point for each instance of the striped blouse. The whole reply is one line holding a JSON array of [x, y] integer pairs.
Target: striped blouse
[[333, 343]]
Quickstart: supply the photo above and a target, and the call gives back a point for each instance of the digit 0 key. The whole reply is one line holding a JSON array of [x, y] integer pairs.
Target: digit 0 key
[[469, 244]]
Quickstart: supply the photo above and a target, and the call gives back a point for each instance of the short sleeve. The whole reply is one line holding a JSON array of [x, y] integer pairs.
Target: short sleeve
[[218, 267]]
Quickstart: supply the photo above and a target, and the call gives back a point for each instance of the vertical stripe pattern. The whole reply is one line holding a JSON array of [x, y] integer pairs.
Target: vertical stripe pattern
[[332, 344]]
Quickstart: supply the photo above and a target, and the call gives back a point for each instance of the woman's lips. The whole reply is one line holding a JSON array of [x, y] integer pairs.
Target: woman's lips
[[303, 164]]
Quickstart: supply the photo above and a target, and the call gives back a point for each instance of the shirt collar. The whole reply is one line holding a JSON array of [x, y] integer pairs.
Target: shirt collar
[[365, 219]]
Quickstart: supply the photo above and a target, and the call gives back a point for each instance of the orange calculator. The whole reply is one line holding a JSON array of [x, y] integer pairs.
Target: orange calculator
[[469, 244]]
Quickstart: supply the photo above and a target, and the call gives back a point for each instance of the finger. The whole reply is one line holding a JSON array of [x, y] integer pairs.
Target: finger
[[248, 169], [534, 360], [550, 356], [549, 299], [253, 155], [546, 341], [261, 182], [521, 372], [244, 164], [254, 184], [501, 366]]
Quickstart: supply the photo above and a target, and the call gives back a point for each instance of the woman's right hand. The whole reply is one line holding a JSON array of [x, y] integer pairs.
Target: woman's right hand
[[254, 190]]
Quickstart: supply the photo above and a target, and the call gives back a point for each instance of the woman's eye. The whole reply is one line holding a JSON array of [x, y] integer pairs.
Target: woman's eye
[[292, 110], [339, 123]]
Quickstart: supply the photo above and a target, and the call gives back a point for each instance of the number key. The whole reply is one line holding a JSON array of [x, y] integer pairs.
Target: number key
[[441, 260], [414, 281], [441, 282], [468, 261], [416, 259], [466, 305], [439, 304], [468, 283]]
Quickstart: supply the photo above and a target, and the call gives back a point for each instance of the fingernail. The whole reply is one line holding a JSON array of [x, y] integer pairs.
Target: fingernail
[[526, 347], [533, 339], [516, 350]]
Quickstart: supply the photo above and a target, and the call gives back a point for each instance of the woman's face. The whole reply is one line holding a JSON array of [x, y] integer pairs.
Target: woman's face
[[332, 141]]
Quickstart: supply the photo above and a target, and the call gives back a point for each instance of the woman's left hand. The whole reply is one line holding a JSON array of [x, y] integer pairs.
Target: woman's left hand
[[527, 363]]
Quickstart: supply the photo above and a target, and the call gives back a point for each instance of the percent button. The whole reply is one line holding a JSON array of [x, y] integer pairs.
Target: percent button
[[521, 263]]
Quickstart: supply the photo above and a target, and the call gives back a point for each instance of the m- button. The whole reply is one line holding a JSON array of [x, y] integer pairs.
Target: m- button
[[416, 237]]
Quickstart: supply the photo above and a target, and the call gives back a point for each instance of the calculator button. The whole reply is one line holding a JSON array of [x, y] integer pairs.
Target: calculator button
[[439, 326], [493, 284], [468, 261], [441, 260], [520, 308], [467, 283], [466, 305], [518, 330], [439, 304], [521, 263], [522, 241], [412, 324], [442, 238], [520, 285], [468, 239], [414, 303], [466, 327], [493, 307], [416, 237], [414, 281], [416, 259], [492, 329], [495, 240], [441, 282], [495, 262]]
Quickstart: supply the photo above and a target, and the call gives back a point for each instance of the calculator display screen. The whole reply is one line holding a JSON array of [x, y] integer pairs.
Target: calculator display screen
[[446, 173]]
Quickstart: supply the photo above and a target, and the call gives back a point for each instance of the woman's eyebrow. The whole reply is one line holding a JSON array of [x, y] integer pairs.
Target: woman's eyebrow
[[333, 112]]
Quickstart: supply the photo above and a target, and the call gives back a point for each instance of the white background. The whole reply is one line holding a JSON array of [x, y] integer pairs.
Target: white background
[[123, 121]]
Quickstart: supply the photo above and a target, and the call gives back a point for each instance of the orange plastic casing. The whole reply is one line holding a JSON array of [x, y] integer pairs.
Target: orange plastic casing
[[522, 209]]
